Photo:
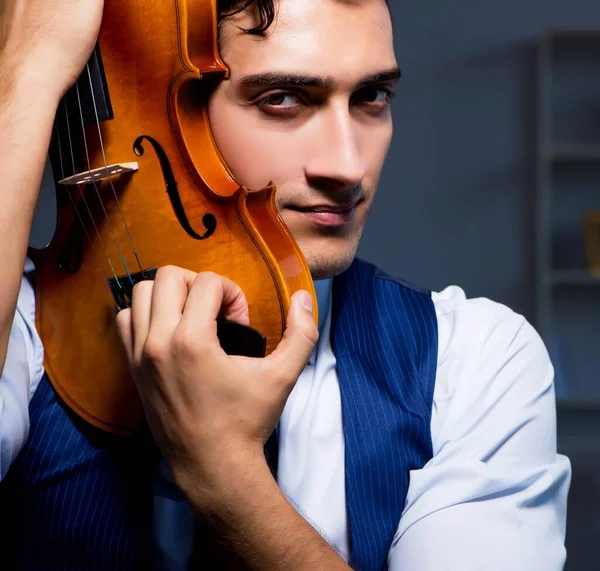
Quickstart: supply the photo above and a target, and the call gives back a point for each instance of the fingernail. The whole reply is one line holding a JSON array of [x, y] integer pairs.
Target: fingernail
[[306, 300]]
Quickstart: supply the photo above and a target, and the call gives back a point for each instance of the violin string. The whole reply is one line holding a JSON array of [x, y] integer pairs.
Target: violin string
[[93, 182], [83, 198], [129, 236], [62, 176], [69, 194]]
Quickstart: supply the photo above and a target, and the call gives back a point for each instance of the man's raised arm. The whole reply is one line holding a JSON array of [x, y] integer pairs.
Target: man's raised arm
[[44, 44]]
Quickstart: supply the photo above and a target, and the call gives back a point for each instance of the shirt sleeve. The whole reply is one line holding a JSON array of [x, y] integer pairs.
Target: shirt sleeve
[[23, 370], [493, 497]]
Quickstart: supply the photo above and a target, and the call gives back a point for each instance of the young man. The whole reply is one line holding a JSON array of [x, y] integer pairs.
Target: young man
[[417, 433]]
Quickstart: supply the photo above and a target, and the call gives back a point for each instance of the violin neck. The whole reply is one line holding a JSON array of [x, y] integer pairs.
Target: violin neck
[[93, 91], [84, 104]]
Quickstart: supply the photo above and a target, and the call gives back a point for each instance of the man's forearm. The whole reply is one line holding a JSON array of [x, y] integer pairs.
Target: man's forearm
[[26, 116], [253, 518]]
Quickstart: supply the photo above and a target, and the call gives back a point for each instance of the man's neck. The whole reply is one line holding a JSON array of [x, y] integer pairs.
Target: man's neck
[[323, 291]]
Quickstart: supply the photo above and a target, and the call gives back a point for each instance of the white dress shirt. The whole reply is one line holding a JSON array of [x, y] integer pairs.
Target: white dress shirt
[[23, 370], [492, 498]]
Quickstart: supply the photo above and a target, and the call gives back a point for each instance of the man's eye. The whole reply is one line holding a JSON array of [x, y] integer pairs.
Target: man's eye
[[280, 103], [375, 98], [280, 99]]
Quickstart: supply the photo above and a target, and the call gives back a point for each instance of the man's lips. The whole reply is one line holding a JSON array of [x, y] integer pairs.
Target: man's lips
[[333, 208], [327, 214]]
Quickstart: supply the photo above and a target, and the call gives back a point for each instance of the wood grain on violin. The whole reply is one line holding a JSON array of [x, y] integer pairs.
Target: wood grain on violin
[[142, 185]]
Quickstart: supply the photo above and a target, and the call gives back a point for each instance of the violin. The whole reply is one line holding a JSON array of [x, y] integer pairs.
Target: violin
[[140, 185]]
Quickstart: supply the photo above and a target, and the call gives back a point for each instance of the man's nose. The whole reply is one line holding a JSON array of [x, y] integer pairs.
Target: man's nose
[[335, 159]]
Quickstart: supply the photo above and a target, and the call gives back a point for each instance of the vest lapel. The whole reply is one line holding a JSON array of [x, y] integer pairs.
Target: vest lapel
[[384, 336]]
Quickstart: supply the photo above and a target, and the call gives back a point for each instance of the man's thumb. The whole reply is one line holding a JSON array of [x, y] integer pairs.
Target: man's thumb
[[299, 337]]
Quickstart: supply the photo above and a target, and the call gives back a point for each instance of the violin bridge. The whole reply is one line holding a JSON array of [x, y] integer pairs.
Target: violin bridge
[[101, 173]]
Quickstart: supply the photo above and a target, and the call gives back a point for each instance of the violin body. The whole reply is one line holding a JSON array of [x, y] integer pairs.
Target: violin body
[[142, 185]]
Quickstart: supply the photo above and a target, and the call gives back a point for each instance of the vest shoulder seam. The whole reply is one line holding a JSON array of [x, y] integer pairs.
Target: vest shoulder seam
[[378, 273]]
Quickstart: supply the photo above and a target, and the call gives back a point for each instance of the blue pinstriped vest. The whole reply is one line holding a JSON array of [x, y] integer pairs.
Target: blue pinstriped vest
[[80, 499], [384, 337]]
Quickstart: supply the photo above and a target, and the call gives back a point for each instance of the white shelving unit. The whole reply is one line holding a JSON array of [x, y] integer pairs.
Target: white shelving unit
[[552, 154]]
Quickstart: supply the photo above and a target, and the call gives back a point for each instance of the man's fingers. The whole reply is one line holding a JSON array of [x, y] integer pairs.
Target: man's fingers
[[169, 295], [213, 296], [125, 332], [299, 339], [141, 302]]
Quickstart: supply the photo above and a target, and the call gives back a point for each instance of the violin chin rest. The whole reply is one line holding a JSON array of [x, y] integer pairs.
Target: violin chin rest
[[241, 340]]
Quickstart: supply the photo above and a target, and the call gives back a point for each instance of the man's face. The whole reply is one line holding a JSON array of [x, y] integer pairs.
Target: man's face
[[307, 107]]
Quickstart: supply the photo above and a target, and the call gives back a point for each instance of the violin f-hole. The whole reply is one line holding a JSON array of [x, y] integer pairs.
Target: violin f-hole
[[209, 220]]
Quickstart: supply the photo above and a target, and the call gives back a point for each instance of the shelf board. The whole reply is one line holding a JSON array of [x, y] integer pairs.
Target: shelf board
[[574, 153], [582, 33], [578, 404], [561, 278]]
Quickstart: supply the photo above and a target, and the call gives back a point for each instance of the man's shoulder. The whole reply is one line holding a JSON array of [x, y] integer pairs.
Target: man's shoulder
[[475, 315], [479, 338], [466, 322]]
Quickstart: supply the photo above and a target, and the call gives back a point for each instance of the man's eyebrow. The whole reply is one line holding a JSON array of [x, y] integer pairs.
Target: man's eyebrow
[[274, 78], [386, 76]]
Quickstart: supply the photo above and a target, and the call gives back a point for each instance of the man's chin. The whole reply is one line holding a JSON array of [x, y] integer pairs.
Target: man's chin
[[329, 256], [323, 266]]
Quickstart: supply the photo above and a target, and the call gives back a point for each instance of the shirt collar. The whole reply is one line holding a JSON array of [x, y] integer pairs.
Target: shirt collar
[[323, 291]]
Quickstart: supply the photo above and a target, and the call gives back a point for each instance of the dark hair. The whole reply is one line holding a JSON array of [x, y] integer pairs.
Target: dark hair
[[264, 9]]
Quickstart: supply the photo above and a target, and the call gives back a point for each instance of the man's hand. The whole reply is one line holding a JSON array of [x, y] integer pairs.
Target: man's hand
[[47, 41], [209, 412]]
